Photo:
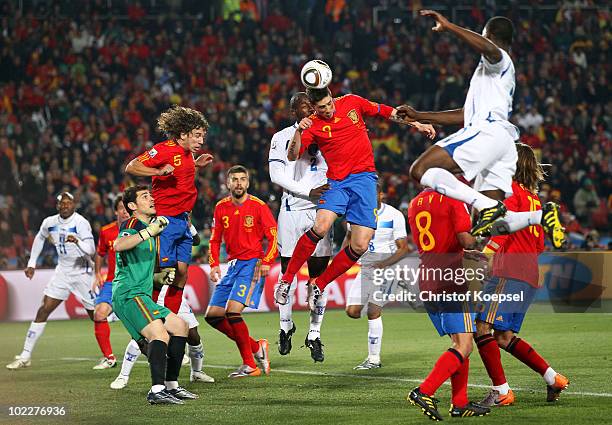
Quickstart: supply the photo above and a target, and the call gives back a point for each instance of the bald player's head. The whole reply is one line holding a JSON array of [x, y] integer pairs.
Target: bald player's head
[[300, 106]]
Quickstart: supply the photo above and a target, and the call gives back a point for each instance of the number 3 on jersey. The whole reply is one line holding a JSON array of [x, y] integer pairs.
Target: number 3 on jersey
[[426, 238]]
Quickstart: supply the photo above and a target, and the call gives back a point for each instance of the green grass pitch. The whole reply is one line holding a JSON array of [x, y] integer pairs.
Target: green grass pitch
[[298, 391]]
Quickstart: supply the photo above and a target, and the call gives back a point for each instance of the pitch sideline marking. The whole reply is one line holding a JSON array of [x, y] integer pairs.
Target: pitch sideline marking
[[348, 375]]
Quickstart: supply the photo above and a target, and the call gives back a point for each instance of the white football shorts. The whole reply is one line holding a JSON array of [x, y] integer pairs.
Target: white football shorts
[[484, 150], [292, 225], [184, 312], [62, 284]]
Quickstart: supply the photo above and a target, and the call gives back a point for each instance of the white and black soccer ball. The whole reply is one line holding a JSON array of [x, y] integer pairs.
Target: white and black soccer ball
[[316, 74]]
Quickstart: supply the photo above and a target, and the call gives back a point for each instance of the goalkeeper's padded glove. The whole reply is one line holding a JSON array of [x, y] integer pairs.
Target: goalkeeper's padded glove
[[154, 228], [165, 276]]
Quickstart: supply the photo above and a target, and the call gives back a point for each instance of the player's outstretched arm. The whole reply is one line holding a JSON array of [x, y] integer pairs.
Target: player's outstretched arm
[[129, 241], [476, 41], [449, 117], [137, 168]]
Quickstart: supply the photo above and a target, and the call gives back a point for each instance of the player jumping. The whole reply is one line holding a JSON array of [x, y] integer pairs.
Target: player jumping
[[166, 333], [303, 181], [515, 271], [172, 168], [388, 246], [440, 228], [71, 234], [339, 130], [242, 221], [104, 284], [484, 147]]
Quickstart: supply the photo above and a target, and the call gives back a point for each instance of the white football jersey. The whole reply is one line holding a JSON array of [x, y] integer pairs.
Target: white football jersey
[[491, 92], [390, 226], [71, 257], [307, 172]]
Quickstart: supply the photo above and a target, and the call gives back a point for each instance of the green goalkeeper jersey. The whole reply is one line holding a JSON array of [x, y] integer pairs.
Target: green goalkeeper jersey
[[134, 267]]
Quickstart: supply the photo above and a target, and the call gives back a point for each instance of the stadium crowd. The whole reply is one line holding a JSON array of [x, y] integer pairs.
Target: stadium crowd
[[80, 91]]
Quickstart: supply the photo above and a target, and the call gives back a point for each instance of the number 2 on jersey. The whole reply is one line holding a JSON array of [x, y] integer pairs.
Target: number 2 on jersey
[[426, 238]]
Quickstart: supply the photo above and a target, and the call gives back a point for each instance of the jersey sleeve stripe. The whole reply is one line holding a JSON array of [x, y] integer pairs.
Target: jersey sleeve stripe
[[277, 160]]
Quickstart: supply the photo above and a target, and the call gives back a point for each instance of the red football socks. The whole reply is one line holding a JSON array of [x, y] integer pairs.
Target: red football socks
[[491, 357], [303, 250], [242, 338], [343, 261], [102, 332], [223, 325], [459, 381], [447, 364], [525, 353]]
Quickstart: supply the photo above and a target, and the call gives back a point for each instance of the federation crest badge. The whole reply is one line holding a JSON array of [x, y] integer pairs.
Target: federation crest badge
[[249, 221], [352, 114]]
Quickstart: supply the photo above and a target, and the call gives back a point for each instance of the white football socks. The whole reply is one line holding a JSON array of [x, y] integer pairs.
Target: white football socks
[[442, 181], [132, 352], [34, 332], [519, 220], [549, 376], [285, 311], [375, 333], [502, 389], [171, 385], [316, 317], [196, 354], [157, 388]]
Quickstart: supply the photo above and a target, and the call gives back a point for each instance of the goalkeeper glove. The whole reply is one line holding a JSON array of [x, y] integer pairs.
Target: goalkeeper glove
[[165, 276], [154, 228]]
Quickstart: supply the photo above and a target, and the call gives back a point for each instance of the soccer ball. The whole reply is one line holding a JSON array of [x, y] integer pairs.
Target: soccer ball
[[316, 74]]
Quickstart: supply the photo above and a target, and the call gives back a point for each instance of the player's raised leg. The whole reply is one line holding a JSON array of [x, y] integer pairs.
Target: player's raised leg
[[304, 249], [344, 260]]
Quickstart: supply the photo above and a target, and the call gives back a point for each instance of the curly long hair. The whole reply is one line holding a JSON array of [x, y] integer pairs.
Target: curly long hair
[[179, 119], [529, 172]]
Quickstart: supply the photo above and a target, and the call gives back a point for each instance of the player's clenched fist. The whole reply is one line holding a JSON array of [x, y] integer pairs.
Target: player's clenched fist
[[154, 228], [407, 113], [304, 124]]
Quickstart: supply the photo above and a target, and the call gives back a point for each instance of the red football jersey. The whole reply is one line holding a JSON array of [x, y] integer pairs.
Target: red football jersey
[[435, 220], [175, 193], [343, 139], [516, 254], [108, 235], [243, 228]]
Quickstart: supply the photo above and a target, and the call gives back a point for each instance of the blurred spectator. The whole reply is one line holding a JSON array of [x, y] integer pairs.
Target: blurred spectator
[[586, 200]]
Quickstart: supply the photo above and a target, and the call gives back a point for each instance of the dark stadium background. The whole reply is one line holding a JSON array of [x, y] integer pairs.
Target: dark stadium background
[[81, 84]]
